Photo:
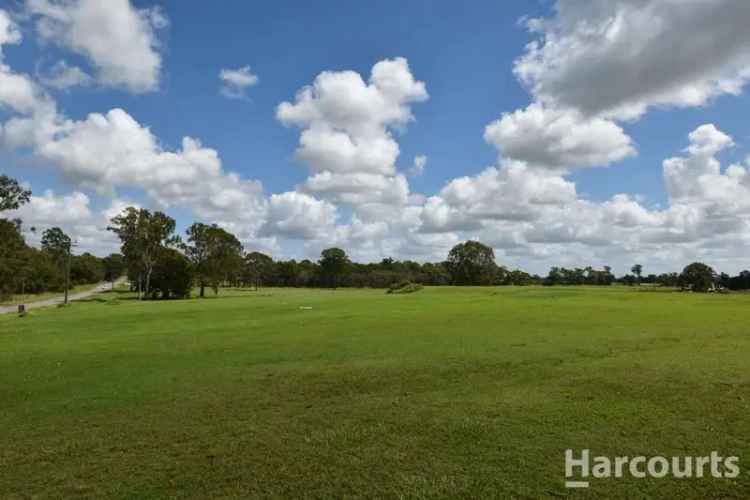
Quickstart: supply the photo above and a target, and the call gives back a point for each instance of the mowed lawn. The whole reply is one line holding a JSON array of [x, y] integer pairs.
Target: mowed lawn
[[445, 393]]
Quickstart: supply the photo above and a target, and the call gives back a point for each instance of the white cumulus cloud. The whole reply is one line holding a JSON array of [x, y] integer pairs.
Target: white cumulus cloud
[[235, 82], [346, 138], [617, 58], [119, 40]]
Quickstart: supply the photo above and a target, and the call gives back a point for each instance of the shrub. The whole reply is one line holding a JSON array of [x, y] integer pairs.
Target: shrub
[[404, 287]]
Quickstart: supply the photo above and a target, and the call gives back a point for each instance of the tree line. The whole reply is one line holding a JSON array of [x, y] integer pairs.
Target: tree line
[[160, 263], [51, 268]]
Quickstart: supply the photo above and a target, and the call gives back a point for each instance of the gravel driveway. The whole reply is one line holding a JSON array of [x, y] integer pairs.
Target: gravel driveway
[[101, 287]]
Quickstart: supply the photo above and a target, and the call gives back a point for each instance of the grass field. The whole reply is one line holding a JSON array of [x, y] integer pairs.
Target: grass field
[[445, 393]]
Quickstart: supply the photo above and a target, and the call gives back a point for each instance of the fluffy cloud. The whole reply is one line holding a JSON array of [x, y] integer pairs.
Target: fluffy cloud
[[114, 150], [105, 152], [698, 177], [62, 76], [298, 216], [617, 58], [118, 39], [52, 210], [9, 32], [535, 218], [20, 95], [235, 82], [526, 206], [72, 212], [512, 192], [17, 91], [704, 200], [346, 139], [555, 139]]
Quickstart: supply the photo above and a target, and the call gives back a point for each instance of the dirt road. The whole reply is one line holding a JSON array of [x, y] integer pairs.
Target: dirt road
[[101, 287]]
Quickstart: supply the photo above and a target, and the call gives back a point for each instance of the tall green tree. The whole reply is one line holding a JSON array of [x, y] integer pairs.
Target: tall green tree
[[214, 253], [12, 195], [86, 268], [225, 258], [58, 245], [143, 235], [698, 276], [198, 251], [258, 269], [471, 263], [12, 258], [172, 277], [12, 245], [334, 264]]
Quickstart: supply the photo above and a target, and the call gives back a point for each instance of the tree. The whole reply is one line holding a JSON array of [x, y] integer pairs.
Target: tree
[[698, 276], [143, 235], [287, 273], [333, 265], [114, 267], [638, 271], [86, 268], [214, 253], [225, 256], [172, 276], [12, 195], [258, 269], [58, 245], [12, 248], [198, 251], [471, 263]]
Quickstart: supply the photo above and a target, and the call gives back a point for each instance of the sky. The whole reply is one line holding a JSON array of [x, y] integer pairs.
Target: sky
[[568, 132]]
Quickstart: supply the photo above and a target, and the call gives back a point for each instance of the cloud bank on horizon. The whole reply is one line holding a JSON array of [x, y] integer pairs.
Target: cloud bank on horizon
[[592, 70]]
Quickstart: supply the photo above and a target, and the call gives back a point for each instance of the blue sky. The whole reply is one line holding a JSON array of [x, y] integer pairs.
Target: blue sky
[[465, 57]]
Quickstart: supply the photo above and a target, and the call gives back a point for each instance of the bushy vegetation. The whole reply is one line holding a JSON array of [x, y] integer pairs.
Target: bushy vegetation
[[404, 287], [172, 277], [28, 270], [212, 257]]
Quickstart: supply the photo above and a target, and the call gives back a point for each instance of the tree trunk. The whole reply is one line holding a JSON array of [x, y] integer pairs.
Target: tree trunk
[[148, 281], [203, 289]]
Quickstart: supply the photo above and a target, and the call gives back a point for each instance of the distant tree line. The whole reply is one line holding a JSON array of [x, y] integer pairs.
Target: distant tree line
[[161, 264], [25, 269]]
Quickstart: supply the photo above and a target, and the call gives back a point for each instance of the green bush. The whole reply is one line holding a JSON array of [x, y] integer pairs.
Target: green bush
[[404, 287]]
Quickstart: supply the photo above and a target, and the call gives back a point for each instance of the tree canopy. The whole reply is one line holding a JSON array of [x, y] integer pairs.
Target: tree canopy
[[12, 195], [472, 263], [143, 236], [56, 243], [699, 277], [213, 252], [334, 264]]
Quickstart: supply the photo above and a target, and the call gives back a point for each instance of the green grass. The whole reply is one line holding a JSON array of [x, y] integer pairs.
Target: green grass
[[32, 297], [445, 393]]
